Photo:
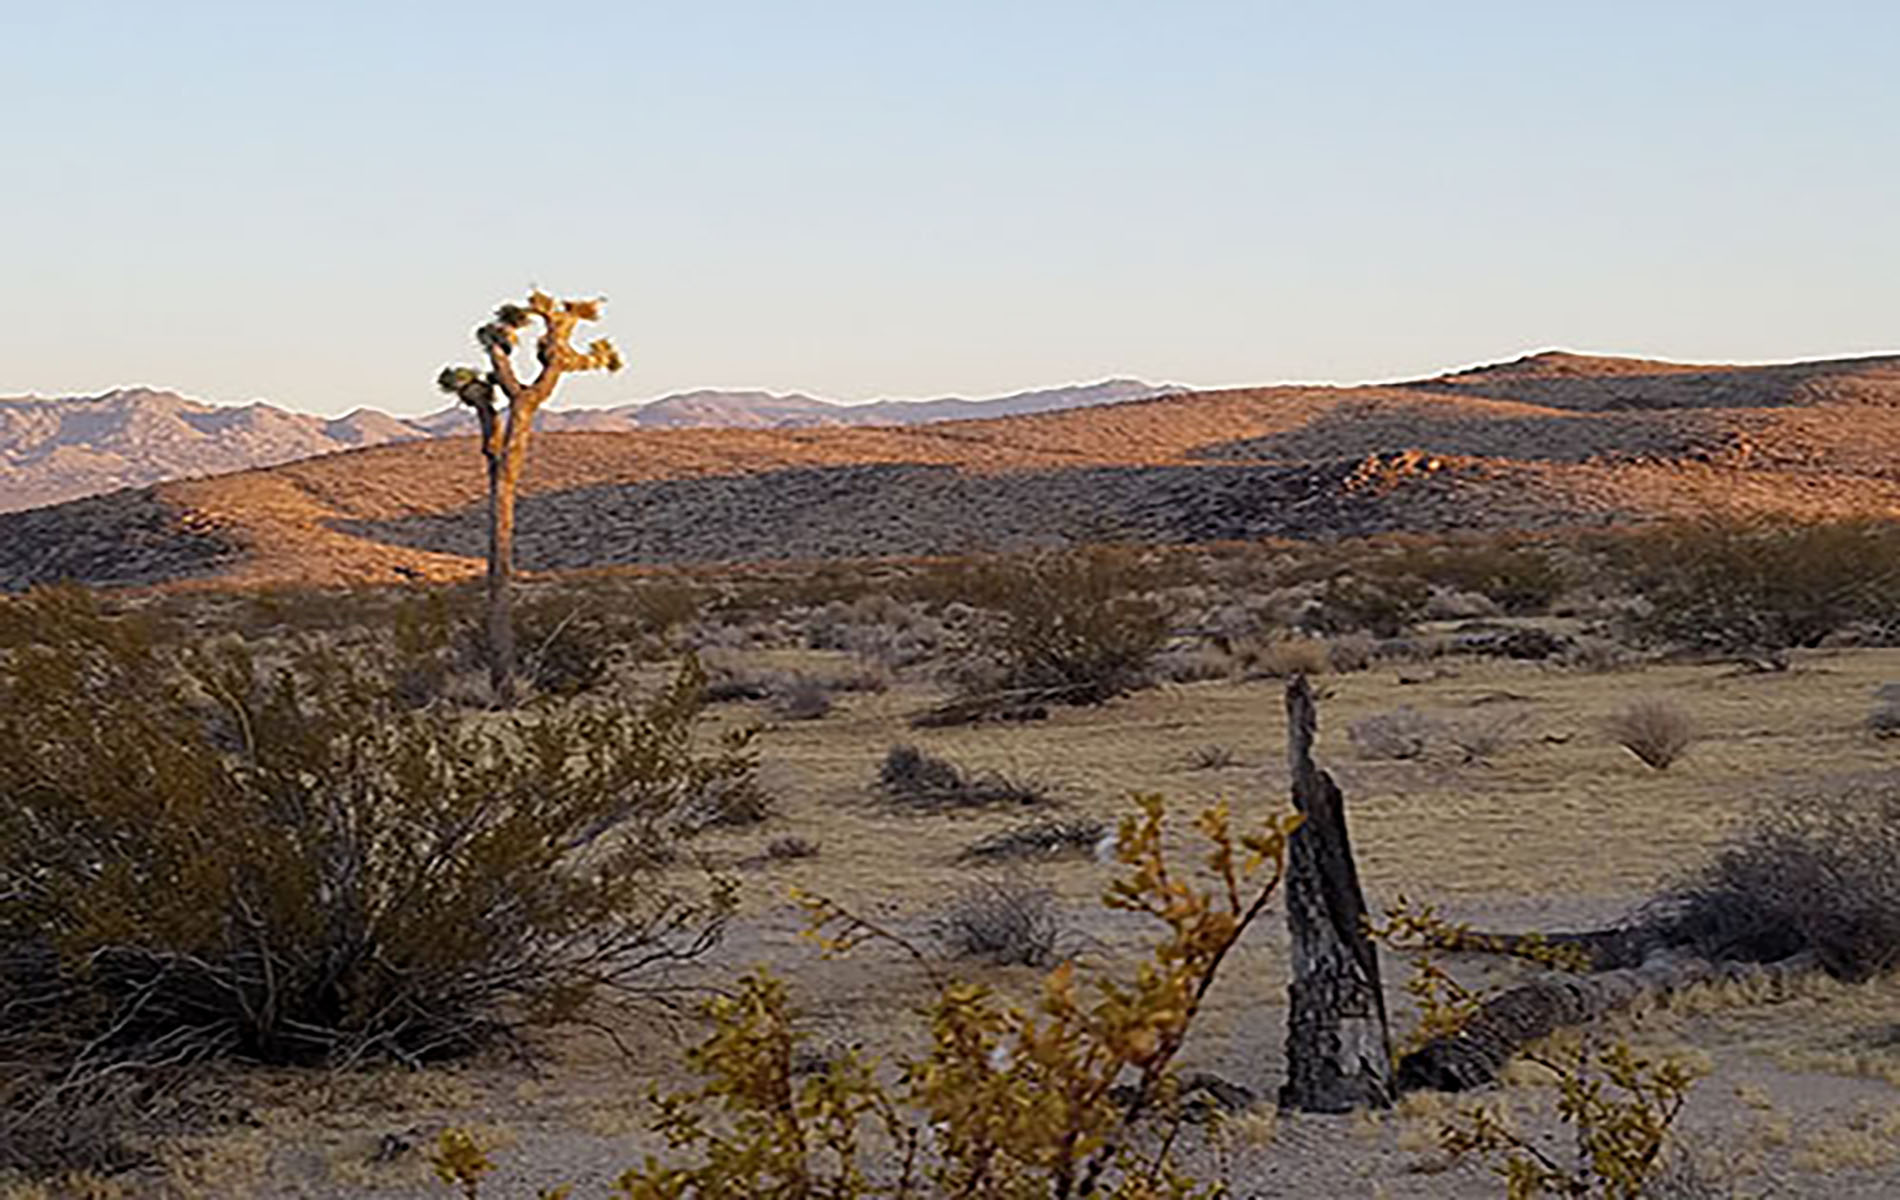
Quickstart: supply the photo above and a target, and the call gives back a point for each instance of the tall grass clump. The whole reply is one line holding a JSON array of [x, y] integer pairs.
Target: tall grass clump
[[208, 852], [1655, 731]]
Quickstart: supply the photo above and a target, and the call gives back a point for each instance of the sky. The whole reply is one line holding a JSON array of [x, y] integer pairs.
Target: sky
[[314, 204]]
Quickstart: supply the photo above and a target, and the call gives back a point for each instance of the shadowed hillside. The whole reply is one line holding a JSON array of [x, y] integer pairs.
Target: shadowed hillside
[[1552, 439]]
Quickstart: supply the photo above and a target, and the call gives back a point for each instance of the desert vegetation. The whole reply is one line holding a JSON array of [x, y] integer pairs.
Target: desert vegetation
[[286, 831]]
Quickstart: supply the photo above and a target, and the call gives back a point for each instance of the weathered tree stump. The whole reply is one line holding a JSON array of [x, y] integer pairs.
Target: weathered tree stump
[[1338, 1047]]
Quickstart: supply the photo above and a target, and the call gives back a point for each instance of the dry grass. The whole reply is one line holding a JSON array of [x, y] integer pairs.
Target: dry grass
[[1655, 731]]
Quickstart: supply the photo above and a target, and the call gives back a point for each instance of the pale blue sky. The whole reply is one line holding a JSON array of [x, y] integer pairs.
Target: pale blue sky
[[314, 203]]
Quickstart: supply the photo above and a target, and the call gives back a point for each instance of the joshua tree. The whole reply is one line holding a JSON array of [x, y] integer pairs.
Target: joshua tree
[[505, 438]]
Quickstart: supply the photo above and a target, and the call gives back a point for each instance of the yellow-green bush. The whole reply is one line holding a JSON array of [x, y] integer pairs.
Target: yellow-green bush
[[1006, 1102]]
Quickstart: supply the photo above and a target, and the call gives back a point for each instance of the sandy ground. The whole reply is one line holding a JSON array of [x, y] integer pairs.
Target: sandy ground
[[1561, 828]]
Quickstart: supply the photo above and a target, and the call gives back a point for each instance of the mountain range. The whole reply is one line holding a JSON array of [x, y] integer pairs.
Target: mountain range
[[52, 450]]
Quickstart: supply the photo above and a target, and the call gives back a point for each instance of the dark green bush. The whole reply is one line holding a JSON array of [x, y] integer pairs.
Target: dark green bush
[[1763, 586], [203, 852]]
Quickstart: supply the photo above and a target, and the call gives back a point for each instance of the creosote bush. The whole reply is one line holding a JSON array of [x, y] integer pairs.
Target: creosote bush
[[1018, 1102], [1073, 628], [1759, 586], [207, 852]]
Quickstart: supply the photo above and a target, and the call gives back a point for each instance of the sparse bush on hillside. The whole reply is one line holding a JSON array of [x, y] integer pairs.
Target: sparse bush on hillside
[[1654, 730], [202, 853], [1814, 872], [1071, 627], [1742, 587]]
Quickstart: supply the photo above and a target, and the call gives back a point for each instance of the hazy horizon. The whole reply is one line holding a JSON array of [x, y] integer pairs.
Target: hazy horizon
[[860, 201]]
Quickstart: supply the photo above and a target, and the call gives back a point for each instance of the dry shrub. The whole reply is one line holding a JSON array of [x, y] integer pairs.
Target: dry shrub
[[1816, 871], [1482, 736], [205, 854], [1400, 734], [1196, 664], [1007, 1099], [1280, 657], [1004, 922], [1654, 730], [1384, 607], [1521, 580], [916, 780], [1598, 654], [1212, 757], [1070, 627], [1351, 652], [789, 847], [1884, 720], [1038, 840], [801, 698]]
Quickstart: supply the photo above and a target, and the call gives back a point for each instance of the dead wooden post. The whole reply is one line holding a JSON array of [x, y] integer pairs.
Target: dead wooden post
[[1338, 1050]]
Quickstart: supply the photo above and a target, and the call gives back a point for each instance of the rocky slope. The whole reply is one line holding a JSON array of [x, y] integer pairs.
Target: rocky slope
[[1550, 440], [62, 449]]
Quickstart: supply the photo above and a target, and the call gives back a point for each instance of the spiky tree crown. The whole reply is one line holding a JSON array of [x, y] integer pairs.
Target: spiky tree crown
[[554, 351]]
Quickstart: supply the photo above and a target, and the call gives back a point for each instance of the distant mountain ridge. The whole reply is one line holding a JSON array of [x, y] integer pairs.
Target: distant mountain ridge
[[65, 448], [1550, 440]]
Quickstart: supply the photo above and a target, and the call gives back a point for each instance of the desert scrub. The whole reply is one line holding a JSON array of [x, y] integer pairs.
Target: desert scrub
[[1622, 1107], [1019, 1102], [1073, 627], [1519, 579], [204, 854], [1001, 921], [1815, 872], [1751, 587]]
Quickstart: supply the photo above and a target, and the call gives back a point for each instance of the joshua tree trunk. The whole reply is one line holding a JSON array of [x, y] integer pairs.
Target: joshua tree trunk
[[499, 625], [1338, 1047], [505, 439]]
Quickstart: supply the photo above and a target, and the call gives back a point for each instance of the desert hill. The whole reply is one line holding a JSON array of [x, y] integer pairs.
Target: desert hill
[[52, 450], [1553, 439]]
